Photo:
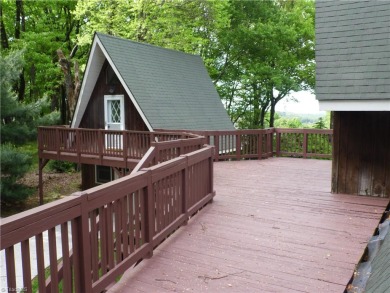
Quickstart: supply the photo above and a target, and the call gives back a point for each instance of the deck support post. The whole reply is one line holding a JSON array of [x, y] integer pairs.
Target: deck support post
[[42, 164]]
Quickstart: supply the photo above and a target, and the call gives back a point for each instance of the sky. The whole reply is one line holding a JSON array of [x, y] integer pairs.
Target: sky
[[306, 104]]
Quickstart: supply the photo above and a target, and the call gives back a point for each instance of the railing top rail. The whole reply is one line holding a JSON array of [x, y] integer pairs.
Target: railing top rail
[[31, 222], [168, 132], [178, 142], [304, 130]]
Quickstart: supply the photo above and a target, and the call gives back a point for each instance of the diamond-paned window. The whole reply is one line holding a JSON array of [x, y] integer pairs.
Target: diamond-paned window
[[115, 111]]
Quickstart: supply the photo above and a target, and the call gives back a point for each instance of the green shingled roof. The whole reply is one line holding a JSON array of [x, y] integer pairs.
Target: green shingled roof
[[172, 88], [352, 50]]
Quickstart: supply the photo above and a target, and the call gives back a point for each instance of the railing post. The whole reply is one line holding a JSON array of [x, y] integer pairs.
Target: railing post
[[216, 143], [78, 145], [40, 181], [211, 175], [270, 150], [278, 142], [157, 156], [82, 247], [181, 143], [58, 143], [238, 144], [304, 144], [185, 193], [124, 147], [151, 137], [260, 145], [149, 215], [100, 144]]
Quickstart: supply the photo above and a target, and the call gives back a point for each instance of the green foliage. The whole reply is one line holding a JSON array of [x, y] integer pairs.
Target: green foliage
[[285, 122], [267, 51], [19, 120], [14, 164], [18, 126], [44, 27], [256, 51], [62, 166], [320, 124]]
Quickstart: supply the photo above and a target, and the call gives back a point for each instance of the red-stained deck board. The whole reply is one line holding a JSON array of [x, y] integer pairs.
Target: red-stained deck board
[[273, 227]]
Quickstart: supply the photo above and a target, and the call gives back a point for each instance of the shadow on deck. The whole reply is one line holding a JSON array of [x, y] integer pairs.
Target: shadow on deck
[[273, 227]]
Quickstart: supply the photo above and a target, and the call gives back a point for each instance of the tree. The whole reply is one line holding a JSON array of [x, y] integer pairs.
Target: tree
[[18, 126], [13, 163], [267, 52], [320, 124], [40, 28]]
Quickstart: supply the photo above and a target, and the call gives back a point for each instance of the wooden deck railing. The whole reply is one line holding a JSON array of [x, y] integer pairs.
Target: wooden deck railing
[[98, 146], [304, 143], [265, 143], [105, 230]]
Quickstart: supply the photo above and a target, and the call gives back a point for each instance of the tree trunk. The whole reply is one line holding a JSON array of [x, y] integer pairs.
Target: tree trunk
[[272, 113], [4, 38], [22, 86], [72, 88], [262, 116], [63, 105], [18, 17]]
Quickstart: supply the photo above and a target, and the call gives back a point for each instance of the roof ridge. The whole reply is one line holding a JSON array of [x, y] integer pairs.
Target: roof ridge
[[144, 44]]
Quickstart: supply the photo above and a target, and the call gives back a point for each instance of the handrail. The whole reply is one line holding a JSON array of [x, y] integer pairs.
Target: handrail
[[107, 229], [265, 143], [163, 151], [229, 144], [71, 143]]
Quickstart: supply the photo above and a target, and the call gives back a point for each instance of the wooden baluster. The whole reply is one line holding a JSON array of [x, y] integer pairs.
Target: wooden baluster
[[260, 145], [25, 245], [67, 275], [10, 265]]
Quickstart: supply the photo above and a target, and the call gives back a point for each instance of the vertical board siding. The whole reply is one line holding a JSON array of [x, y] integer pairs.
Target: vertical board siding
[[361, 163], [93, 116]]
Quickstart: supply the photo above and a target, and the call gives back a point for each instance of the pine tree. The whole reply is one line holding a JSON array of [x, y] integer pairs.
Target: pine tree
[[16, 128]]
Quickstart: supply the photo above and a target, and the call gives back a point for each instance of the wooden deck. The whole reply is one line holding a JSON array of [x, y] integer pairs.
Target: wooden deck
[[273, 227]]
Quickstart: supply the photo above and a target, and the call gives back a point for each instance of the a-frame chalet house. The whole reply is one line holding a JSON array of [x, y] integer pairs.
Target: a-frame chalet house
[[136, 86]]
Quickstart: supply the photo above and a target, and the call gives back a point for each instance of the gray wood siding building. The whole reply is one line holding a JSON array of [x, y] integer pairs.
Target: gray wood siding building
[[353, 80]]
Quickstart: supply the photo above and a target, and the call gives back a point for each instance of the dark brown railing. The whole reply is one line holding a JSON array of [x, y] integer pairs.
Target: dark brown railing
[[98, 146], [265, 143], [127, 148], [107, 229]]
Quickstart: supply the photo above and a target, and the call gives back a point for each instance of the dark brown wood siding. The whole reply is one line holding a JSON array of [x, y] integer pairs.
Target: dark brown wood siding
[[94, 114], [361, 153]]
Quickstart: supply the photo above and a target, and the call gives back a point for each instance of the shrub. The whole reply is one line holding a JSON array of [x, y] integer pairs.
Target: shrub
[[61, 166], [14, 164]]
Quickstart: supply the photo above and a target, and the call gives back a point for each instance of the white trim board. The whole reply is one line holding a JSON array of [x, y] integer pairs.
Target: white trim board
[[355, 105]]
